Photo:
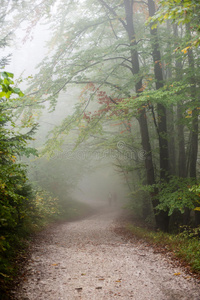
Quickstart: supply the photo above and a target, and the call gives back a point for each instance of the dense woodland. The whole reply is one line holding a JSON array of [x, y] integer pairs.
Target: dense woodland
[[135, 68]]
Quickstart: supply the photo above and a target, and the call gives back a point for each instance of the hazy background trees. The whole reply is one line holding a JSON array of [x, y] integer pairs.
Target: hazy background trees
[[109, 88]]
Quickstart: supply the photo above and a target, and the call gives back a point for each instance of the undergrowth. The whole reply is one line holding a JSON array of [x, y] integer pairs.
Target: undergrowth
[[185, 245], [14, 241]]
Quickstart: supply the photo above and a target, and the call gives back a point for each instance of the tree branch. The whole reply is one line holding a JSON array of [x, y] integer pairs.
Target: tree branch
[[113, 12], [143, 2]]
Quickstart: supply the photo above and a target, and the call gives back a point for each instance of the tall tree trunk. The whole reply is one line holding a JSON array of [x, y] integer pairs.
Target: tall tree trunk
[[182, 172], [162, 218], [194, 125], [170, 110], [171, 141], [128, 4], [161, 109], [181, 144], [194, 144], [195, 112], [182, 162]]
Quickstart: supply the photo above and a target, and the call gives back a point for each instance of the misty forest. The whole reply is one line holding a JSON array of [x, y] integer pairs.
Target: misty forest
[[99, 116]]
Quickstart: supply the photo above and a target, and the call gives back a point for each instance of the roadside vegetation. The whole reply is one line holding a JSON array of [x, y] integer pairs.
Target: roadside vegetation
[[25, 208], [42, 209], [184, 246]]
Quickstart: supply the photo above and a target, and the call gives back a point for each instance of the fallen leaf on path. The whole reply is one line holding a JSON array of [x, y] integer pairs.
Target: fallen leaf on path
[[177, 274]]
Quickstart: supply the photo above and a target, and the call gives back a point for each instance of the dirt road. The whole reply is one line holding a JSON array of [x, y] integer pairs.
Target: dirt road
[[88, 260]]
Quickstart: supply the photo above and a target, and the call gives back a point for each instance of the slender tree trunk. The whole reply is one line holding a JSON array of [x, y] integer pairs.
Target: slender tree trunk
[[182, 169], [180, 127], [194, 144], [129, 28], [172, 149], [181, 144], [195, 112], [194, 125], [162, 218], [138, 87], [170, 111], [161, 110]]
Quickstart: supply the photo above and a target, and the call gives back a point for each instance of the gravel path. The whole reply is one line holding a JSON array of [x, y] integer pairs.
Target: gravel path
[[88, 260]]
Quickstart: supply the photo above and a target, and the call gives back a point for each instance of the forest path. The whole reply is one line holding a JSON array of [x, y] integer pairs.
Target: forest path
[[87, 260]]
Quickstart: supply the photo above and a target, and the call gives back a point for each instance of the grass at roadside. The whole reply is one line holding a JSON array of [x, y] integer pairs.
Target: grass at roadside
[[183, 246]]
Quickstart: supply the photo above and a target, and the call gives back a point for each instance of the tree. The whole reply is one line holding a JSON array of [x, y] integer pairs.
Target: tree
[[122, 64], [186, 13], [181, 12], [14, 189], [161, 109], [120, 55]]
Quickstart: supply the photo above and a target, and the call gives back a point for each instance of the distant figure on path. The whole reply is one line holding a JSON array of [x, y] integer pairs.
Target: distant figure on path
[[115, 199], [110, 199]]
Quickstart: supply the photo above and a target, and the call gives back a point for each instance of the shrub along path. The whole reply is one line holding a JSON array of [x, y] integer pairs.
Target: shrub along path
[[87, 259]]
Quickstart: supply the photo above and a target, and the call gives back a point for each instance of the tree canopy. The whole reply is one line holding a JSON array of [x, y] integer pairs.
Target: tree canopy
[[136, 65]]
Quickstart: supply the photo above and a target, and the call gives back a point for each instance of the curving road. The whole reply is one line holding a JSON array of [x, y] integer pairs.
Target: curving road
[[88, 260]]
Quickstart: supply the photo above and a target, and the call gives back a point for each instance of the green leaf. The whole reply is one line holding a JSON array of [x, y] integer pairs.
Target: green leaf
[[6, 74], [2, 94]]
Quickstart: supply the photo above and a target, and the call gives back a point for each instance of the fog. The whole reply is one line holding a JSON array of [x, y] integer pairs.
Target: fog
[[105, 116], [83, 171], [99, 128], [26, 52], [95, 188]]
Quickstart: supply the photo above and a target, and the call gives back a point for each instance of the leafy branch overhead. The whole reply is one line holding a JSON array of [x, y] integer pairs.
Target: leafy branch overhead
[[135, 66], [180, 12]]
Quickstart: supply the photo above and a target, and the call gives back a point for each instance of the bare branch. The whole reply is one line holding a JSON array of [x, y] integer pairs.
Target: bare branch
[[113, 12], [141, 2], [126, 66]]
